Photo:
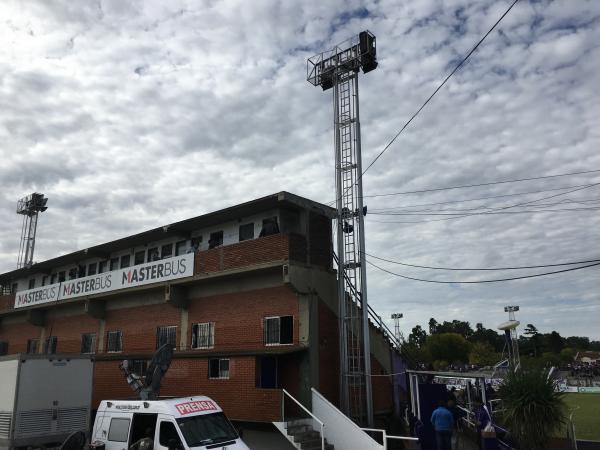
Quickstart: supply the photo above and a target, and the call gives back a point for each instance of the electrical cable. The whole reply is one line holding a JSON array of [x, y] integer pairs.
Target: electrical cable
[[527, 211], [491, 183], [458, 66], [482, 281], [401, 207], [572, 263]]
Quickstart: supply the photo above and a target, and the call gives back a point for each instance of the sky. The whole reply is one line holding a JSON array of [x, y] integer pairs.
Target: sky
[[129, 115]]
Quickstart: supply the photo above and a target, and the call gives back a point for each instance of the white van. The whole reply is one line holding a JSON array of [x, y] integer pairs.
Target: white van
[[173, 424]]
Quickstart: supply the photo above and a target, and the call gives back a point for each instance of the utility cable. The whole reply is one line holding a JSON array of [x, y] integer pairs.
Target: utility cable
[[482, 281], [482, 213], [466, 200], [486, 268], [422, 191]]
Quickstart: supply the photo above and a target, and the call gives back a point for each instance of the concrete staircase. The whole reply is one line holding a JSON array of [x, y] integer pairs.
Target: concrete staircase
[[302, 435]]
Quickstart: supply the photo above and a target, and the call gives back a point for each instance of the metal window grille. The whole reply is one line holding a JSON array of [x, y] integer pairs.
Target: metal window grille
[[139, 257], [3, 348], [218, 368], [88, 343], [139, 366], [180, 248], [203, 335], [246, 231], [92, 269], [33, 346], [166, 251], [279, 330], [50, 345], [166, 335], [114, 341], [216, 239]]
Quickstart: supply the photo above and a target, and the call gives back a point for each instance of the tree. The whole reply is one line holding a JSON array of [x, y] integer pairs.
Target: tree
[[417, 336], [532, 332], [578, 342], [450, 347], [483, 354], [533, 410], [554, 341], [433, 325], [567, 355]]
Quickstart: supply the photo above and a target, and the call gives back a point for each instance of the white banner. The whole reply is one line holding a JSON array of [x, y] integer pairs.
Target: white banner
[[36, 296], [152, 272]]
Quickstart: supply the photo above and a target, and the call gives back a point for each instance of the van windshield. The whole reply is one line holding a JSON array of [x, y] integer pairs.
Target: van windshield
[[206, 429]]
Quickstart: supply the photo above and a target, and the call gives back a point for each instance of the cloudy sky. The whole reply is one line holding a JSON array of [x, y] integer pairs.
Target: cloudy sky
[[132, 114]]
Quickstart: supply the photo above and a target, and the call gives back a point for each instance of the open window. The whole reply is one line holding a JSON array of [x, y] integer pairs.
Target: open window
[[139, 257], [267, 372], [246, 232], [216, 239], [218, 368], [168, 436], [269, 226], [279, 330], [166, 251], [142, 429], [88, 343]]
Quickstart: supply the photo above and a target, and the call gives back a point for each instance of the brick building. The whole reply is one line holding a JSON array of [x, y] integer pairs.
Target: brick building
[[246, 296]]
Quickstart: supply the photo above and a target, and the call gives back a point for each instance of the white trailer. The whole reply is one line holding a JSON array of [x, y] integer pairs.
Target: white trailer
[[44, 398]]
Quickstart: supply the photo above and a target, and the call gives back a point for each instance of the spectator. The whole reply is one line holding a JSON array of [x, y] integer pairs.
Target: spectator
[[442, 421]]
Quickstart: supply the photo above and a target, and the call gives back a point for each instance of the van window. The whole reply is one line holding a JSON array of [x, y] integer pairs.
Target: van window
[[119, 430], [207, 429], [168, 432]]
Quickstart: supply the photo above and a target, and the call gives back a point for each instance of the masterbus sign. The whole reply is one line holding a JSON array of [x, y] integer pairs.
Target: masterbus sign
[[153, 272]]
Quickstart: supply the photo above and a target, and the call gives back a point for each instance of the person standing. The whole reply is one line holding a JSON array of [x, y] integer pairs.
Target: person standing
[[442, 421]]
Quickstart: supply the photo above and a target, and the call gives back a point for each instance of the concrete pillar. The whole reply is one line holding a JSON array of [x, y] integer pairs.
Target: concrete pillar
[[101, 335], [184, 326]]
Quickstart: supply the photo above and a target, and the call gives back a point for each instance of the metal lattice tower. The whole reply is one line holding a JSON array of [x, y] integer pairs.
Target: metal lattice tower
[[338, 69], [513, 350], [29, 207], [396, 317]]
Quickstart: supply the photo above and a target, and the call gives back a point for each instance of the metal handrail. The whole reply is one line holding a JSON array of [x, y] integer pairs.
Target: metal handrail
[[386, 437], [306, 410]]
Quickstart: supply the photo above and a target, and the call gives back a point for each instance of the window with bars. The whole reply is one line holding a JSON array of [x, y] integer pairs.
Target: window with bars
[[166, 335], [180, 248], [3, 348], [44, 280], [32, 283], [88, 343], [139, 366], [203, 335], [125, 261], [166, 251], [218, 368], [139, 257], [50, 345], [92, 269], [33, 346], [279, 330], [114, 263], [102, 265], [216, 239], [114, 341], [246, 232]]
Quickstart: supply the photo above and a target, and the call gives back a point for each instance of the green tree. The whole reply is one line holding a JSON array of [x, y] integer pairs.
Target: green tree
[[532, 332], [448, 347], [483, 354], [433, 326], [417, 336], [567, 355], [533, 410]]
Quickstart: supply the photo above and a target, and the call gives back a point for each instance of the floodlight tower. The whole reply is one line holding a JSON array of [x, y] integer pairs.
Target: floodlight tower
[[29, 207], [338, 69], [512, 338], [397, 332]]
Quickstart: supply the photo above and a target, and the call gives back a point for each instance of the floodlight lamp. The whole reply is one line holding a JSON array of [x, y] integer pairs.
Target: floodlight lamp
[[397, 316], [510, 325]]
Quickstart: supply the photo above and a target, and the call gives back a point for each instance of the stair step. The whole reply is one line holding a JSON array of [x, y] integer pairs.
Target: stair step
[[306, 436]]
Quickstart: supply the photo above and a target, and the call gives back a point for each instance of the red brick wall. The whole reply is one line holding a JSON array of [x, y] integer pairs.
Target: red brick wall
[[320, 240], [17, 335], [239, 317], [139, 325], [383, 390], [329, 356], [7, 302], [238, 396], [247, 253], [68, 331]]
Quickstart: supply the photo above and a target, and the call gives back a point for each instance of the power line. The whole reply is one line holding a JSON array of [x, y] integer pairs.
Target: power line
[[458, 66], [491, 183], [482, 213], [500, 210], [491, 197], [482, 281], [486, 268]]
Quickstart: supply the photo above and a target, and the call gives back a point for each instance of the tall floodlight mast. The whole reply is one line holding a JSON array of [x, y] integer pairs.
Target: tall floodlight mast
[[29, 207], [338, 69], [512, 337]]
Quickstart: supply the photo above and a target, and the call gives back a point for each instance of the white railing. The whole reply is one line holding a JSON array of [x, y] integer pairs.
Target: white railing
[[385, 436], [315, 418]]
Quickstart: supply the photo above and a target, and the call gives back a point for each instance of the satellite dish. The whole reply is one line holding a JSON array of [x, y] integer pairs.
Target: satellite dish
[[510, 325], [75, 441]]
